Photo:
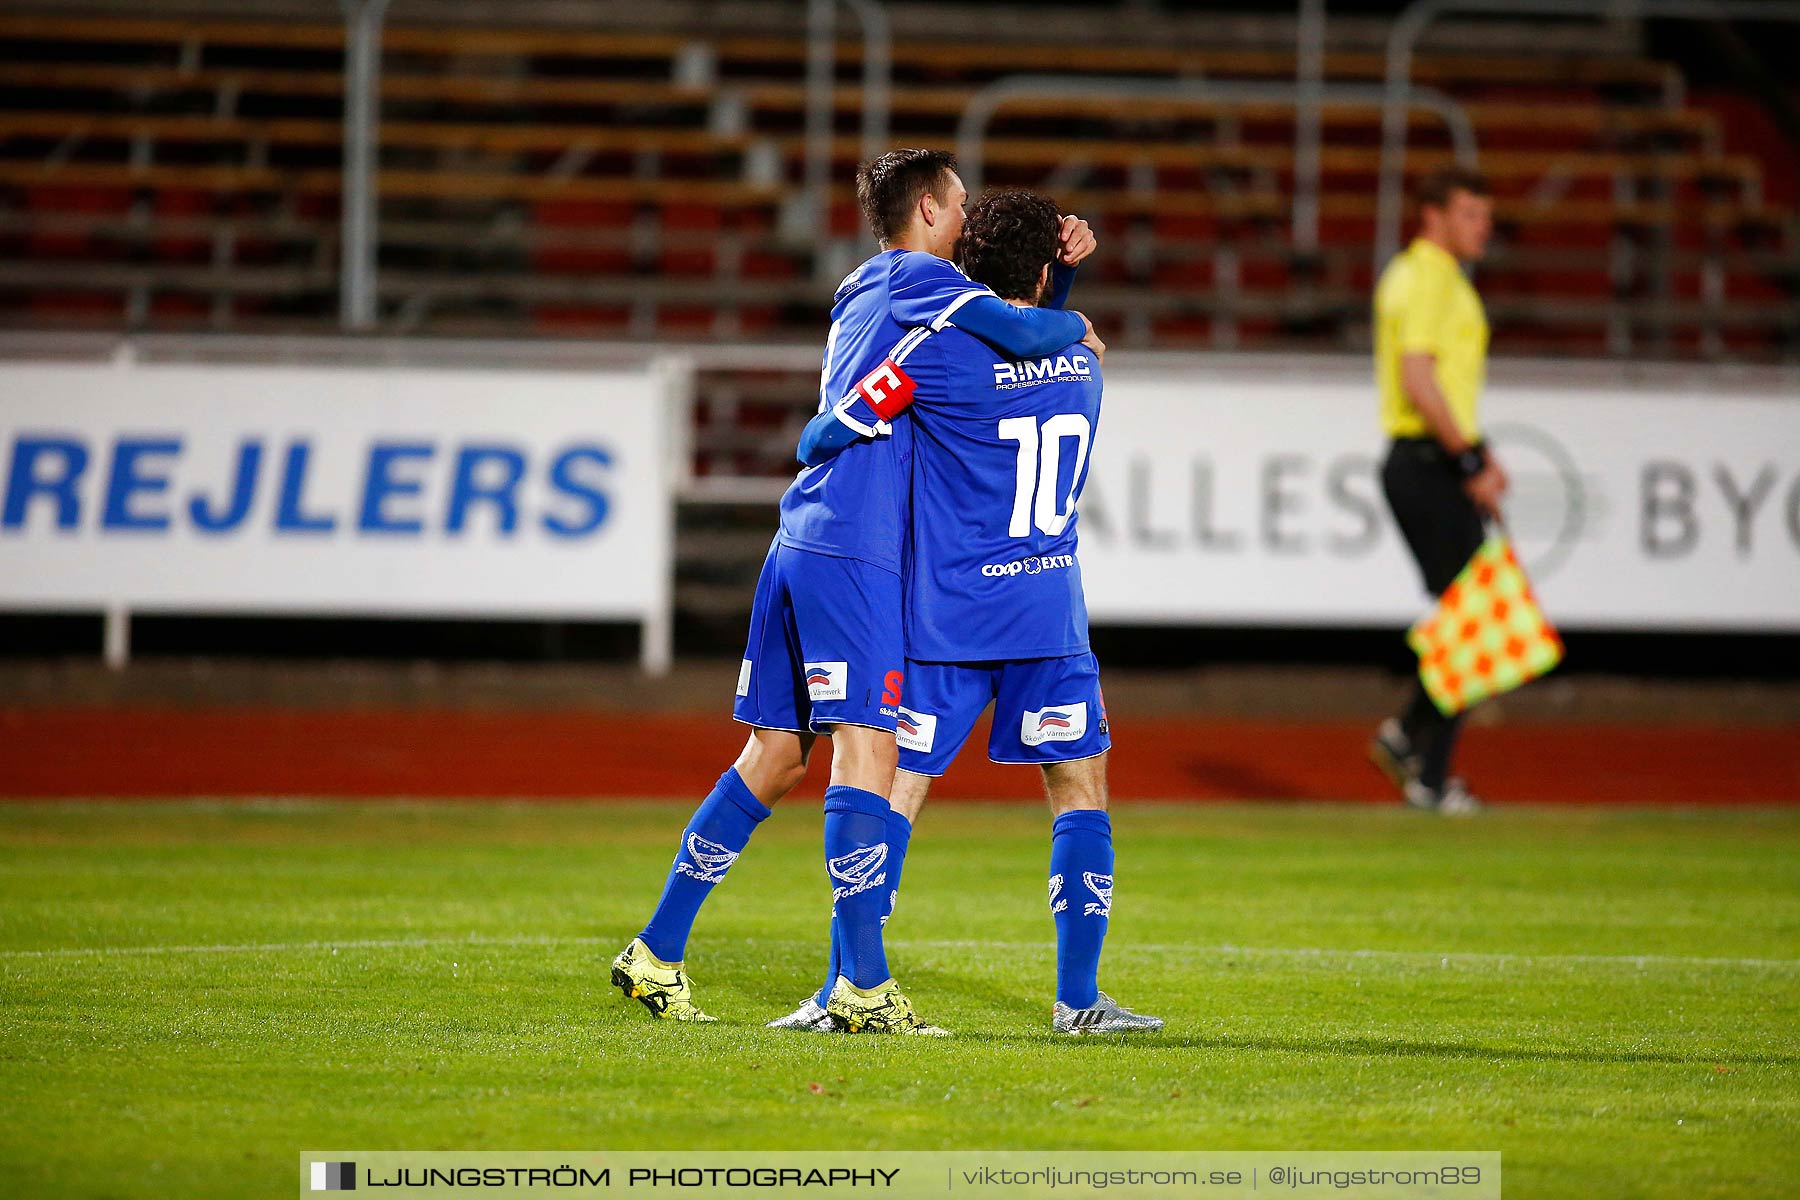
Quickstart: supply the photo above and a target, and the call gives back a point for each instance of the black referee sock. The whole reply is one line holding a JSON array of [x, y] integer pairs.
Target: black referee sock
[[1431, 735], [1419, 718], [1434, 765]]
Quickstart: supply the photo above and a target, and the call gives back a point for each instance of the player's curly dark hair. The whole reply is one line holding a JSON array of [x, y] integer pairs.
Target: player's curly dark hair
[[890, 187], [1007, 239]]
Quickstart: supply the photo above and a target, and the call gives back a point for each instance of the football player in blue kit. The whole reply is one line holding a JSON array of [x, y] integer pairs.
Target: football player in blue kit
[[826, 653], [994, 605]]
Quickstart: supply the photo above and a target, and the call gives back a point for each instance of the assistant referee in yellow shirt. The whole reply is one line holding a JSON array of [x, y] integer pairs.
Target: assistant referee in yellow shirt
[[1440, 479]]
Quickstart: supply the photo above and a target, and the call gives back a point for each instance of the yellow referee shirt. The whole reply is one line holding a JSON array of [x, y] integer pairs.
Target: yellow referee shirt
[[1424, 304]]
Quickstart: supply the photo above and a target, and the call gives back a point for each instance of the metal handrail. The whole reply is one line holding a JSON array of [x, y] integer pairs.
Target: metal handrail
[[362, 101], [821, 72], [971, 129], [362, 84], [1309, 136], [1411, 24], [878, 74]]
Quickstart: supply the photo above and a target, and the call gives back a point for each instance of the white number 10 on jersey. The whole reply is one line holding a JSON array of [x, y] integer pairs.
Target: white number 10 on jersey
[[1040, 462]]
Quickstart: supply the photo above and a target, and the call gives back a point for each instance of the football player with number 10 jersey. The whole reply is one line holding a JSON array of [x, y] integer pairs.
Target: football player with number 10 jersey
[[994, 604], [826, 652]]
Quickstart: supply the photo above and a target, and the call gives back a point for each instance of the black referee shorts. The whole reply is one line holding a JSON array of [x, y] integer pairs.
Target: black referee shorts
[[1441, 525]]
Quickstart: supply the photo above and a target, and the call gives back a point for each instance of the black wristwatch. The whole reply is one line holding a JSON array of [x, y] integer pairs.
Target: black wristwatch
[[1472, 462]]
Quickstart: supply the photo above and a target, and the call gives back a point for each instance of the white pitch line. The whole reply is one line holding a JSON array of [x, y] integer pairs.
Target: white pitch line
[[1424, 956], [1461, 956], [290, 947]]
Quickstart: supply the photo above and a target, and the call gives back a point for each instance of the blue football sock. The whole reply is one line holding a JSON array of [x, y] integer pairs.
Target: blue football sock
[[1081, 883], [899, 833], [716, 834], [857, 863], [834, 968]]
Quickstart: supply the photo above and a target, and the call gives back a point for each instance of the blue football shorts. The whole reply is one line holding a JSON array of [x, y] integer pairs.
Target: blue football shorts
[[826, 645], [1046, 710]]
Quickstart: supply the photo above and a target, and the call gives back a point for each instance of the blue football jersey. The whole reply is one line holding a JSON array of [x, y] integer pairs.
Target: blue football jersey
[[854, 505], [1000, 453]]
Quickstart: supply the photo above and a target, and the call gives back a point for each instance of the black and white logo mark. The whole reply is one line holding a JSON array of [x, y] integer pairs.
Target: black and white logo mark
[[860, 870], [333, 1177], [711, 860], [1101, 886]]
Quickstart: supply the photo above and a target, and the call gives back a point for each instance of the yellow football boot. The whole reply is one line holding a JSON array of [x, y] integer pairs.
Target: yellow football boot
[[659, 986], [881, 1009]]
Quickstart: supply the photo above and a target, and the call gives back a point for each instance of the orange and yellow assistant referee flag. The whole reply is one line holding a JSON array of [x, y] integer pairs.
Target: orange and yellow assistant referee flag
[[1487, 634]]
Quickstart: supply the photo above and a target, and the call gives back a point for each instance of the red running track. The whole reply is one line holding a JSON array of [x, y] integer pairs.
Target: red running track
[[173, 752]]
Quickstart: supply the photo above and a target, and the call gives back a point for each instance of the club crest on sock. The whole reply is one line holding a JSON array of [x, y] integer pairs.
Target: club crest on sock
[[711, 860], [1056, 905], [860, 870], [1102, 887]]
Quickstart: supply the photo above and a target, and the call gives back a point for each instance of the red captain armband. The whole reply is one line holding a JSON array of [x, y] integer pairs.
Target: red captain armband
[[887, 389]]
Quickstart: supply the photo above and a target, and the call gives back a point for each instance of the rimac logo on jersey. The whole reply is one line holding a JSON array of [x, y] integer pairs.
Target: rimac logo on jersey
[[915, 730], [711, 860], [1101, 886], [1064, 368], [827, 680], [1058, 723], [860, 870]]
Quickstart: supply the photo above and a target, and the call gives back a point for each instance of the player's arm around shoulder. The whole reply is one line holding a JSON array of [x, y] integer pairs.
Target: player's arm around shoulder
[[924, 289], [1025, 332], [879, 398], [831, 432]]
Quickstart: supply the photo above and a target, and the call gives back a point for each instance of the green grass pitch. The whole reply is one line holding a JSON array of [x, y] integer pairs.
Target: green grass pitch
[[192, 994]]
